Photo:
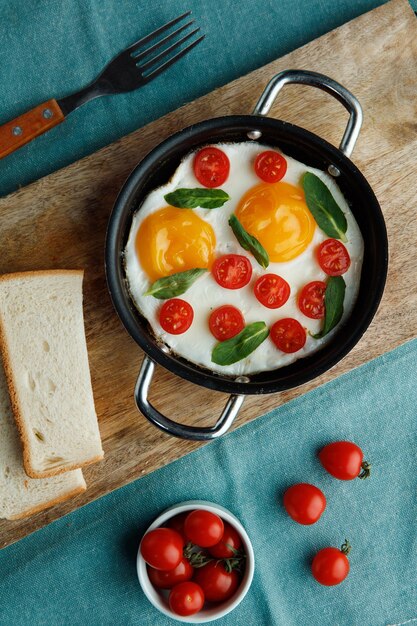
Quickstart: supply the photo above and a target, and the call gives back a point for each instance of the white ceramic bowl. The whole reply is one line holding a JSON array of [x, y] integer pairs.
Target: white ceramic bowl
[[160, 599]]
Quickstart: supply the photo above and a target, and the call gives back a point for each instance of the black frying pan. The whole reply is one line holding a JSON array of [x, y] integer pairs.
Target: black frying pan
[[155, 170]]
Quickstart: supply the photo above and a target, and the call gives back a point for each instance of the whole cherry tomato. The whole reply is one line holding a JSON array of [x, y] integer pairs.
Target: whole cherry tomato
[[203, 528], [217, 583], [211, 167], [228, 545], [270, 166], [166, 579], [344, 460], [232, 271], [330, 566], [186, 598], [162, 548], [333, 257], [304, 503], [177, 523]]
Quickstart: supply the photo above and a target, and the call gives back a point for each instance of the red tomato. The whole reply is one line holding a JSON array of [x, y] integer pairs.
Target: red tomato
[[226, 322], [186, 598], [330, 566], [272, 291], [177, 523], [162, 548], [288, 335], [333, 257], [218, 584], [344, 460], [311, 299], [211, 167], [203, 528], [270, 166], [304, 503], [166, 579], [176, 316], [229, 543], [232, 271]]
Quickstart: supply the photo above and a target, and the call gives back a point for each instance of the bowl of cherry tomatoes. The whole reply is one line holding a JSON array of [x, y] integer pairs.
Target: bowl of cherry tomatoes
[[195, 562]]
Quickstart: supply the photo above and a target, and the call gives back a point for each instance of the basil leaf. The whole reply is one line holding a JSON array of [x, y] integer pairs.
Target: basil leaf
[[174, 285], [324, 208], [194, 198], [248, 242], [333, 303], [240, 346]]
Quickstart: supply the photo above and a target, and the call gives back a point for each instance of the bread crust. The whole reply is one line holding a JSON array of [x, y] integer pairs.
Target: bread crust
[[14, 399], [46, 505]]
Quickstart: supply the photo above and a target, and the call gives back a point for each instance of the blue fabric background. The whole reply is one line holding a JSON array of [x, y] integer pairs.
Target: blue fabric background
[[81, 569], [50, 48]]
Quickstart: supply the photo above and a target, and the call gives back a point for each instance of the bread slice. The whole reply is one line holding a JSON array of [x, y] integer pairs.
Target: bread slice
[[20, 495], [45, 358]]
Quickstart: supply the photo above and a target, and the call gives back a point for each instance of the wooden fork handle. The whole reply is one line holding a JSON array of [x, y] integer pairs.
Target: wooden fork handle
[[22, 129]]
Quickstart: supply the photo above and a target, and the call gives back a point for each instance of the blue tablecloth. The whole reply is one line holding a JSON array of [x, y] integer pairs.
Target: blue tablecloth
[[80, 570]]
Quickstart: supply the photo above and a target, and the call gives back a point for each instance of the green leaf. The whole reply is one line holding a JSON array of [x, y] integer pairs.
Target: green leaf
[[174, 285], [324, 208], [248, 242], [194, 198], [333, 303], [240, 346]]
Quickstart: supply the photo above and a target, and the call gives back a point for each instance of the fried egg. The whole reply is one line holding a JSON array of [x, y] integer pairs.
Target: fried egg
[[164, 240]]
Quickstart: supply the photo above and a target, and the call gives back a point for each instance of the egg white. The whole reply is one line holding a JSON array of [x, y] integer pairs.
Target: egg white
[[197, 343]]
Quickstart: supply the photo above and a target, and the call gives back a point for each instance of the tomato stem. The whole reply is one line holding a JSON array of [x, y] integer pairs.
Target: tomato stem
[[345, 547], [366, 470]]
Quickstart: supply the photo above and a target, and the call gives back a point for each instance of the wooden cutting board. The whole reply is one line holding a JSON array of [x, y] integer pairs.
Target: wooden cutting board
[[60, 222]]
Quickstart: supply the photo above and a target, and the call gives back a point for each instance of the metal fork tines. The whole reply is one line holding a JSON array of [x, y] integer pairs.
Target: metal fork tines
[[137, 65]]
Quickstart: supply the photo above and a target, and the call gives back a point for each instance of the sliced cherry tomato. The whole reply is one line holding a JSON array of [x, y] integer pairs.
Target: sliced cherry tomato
[[211, 167], [311, 299], [166, 579], [228, 545], [270, 166], [232, 271], [176, 316], [162, 548], [288, 335], [344, 460], [177, 523], [218, 584], [330, 566], [203, 528], [272, 291], [333, 257], [304, 503], [226, 322], [186, 598]]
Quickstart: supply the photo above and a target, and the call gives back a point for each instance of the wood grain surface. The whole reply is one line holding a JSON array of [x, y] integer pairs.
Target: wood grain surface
[[60, 222]]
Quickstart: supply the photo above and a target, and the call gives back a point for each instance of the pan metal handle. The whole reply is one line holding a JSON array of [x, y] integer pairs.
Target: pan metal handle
[[324, 83], [170, 427]]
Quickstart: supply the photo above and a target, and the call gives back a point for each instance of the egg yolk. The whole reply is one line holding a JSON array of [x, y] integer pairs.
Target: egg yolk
[[278, 216], [174, 240]]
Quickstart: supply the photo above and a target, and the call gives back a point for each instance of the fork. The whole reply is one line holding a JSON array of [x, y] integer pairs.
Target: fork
[[126, 72]]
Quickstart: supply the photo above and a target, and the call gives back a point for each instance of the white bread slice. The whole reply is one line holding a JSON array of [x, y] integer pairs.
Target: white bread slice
[[45, 358], [21, 496]]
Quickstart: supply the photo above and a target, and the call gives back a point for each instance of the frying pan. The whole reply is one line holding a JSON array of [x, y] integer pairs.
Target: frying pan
[[156, 169]]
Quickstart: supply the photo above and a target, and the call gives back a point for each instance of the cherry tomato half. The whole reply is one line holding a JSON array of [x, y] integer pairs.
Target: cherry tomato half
[[311, 300], [229, 543], [176, 316], [166, 579], [177, 523], [344, 460], [226, 322], [203, 528], [186, 598], [218, 584], [304, 503], [211, 167], [330, 566], [270, 166], [333, 257], [272, 291], [288, 335], [232, 271], [162, 548]]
